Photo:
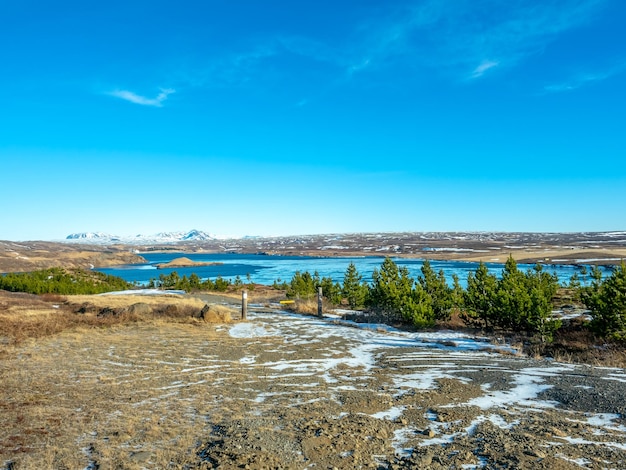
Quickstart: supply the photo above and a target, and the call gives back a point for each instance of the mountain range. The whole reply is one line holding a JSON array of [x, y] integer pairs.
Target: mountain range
[[101, 238]]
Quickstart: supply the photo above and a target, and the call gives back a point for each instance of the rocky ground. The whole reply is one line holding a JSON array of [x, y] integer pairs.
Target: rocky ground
[[296, 392]]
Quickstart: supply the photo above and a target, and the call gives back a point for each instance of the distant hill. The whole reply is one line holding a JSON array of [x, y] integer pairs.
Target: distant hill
[[101, 238]]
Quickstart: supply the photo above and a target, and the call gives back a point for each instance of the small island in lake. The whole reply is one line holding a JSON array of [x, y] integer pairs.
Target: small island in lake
[[185, 262]]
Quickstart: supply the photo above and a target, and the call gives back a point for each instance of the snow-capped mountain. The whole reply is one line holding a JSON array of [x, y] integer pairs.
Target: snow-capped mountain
[[101, 238], [90, 236]]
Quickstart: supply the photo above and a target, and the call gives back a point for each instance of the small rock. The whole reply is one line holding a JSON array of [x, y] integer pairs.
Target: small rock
[[535, 453], [423, 461]]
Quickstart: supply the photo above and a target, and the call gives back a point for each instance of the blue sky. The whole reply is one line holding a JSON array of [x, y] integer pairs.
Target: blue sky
[[282, 117]]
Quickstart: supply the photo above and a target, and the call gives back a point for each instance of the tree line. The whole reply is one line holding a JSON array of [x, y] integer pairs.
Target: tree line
[[62, 281], [515, 301]]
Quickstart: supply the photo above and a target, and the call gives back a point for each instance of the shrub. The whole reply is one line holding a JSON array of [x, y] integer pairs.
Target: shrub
[[607, 301], [395, 295]]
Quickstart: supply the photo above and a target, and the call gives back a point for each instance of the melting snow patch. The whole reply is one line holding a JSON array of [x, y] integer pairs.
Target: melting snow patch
[[483, 461], [248, 330], [616, 377], [604, 420], [580, 462], [580, 440], [145, 292], [496, 420], [445, 439], [423, 380], [400, 436], [527, 388], [391, 414]]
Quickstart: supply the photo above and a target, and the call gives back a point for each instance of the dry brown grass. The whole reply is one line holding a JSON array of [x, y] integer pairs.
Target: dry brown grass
[[121, 301], [24, 316], [584, 348], [104, 395], [453, 323], [54, 396], [308, 306], [258, 294]]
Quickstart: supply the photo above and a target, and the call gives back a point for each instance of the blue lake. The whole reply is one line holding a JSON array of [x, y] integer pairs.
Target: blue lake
[[265, 269]]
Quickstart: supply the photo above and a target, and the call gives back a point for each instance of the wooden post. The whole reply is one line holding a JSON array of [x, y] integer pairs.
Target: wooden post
[[244, 304], [319, 301]]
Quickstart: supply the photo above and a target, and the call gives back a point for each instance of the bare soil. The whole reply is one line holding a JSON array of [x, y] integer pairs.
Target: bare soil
[[295, 392]]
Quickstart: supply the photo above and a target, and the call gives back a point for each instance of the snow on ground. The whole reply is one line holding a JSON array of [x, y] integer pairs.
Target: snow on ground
[[448, 349], [392, 413], [145, 292], [249, 330], [422, 359], [345, 356], [527, 387]]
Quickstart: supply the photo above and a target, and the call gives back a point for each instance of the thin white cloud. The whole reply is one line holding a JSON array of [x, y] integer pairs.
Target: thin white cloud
[[455, 35], [142, 100], [484, 67], [460, 39], [581, 80]]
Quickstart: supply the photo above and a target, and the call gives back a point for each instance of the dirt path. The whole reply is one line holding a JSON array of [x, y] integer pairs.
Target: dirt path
[[285, 391]]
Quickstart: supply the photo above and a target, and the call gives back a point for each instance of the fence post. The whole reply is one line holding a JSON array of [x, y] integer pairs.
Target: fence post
[[319, 301], [244, 304]]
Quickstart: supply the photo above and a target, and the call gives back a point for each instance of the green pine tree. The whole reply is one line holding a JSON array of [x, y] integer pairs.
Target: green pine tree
[[607, 301], [479, 299], [353, 289]]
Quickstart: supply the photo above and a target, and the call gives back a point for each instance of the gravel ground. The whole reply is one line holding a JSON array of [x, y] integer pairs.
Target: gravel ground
[[286, 391]]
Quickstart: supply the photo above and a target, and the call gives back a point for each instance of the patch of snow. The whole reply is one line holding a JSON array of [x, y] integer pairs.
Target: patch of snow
[[482, 463], [605, 420], [400, 437], [593, 260], [581, 441], [391, 414], [421, 380], [248, 330], [442, 440], [496, 420], [617, 377], [182, 384], [464, 250], [528, 385], [581, 462], [145, 292]]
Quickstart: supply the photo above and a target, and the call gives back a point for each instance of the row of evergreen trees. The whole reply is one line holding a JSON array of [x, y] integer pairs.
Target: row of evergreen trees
[[515, 301], [62, 281], [191, 283]]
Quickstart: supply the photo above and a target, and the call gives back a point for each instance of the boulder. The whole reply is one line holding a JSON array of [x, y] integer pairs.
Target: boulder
[[140, 308]]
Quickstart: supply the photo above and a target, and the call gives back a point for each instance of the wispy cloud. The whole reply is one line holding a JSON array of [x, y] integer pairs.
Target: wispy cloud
[[468, 38], [463, 40], [583, 79], [482, 68], [142, 100]]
